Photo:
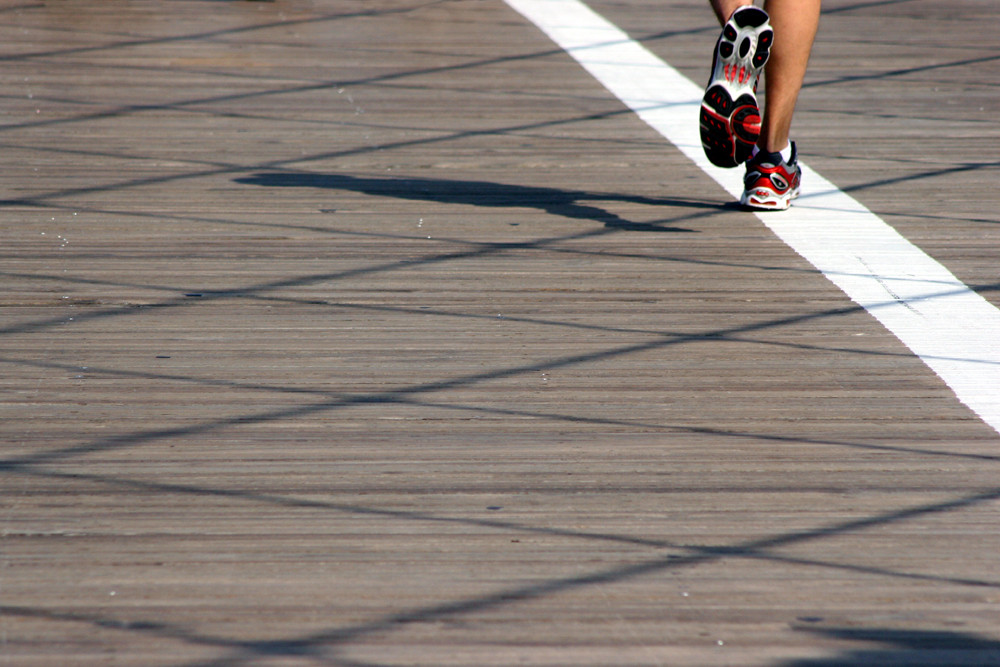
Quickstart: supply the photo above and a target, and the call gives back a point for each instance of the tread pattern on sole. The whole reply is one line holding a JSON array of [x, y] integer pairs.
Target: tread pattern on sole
[[730, 117]]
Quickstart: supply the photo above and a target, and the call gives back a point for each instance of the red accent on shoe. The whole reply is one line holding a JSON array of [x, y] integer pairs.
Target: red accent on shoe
[[751, 125]]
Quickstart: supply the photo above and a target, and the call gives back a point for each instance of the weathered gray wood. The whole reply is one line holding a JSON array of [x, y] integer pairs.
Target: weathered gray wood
[[369, 333]]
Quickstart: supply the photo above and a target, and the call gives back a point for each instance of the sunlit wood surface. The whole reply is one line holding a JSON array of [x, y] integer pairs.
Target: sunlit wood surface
[[376, 332]]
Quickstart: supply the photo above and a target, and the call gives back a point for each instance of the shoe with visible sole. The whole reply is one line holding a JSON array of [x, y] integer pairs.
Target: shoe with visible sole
[[771, 183], [730, 117]]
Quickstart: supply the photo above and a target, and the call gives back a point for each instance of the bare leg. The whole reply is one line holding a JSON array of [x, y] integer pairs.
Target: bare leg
[[795, 23], [725, 8]]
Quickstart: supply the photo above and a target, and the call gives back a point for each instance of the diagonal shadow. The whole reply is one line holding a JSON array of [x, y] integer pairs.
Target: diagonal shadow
[[565, 203], [863, 5], [904, 71], [347, 400], [20, 8], [204, 36], [223, 169], [932, 173], [572, 207], [753, 550], [313, 644], [613, 224], [342, 401], [322, 646], [10, 465], [244, 96]]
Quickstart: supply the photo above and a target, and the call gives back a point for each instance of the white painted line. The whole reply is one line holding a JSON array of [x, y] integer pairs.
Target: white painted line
[[951, 328]]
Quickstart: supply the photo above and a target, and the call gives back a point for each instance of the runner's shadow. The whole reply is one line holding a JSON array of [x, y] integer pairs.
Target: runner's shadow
[[566, 203], [905, 648]]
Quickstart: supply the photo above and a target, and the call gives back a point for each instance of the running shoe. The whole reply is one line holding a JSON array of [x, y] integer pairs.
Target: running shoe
[[771, 183], [730, 117]]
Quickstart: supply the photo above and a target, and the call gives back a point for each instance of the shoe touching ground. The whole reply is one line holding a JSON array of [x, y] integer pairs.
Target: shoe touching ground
[[730, 117], [771, 183]]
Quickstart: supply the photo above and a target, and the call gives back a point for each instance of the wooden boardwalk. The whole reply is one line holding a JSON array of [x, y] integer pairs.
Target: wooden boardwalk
[[376, 332]]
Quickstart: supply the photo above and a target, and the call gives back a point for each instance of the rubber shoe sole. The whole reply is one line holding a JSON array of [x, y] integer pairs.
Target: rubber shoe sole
[[730, 117]]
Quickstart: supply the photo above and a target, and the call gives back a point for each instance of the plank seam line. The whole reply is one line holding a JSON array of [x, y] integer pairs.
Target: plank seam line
[[948, 326]]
